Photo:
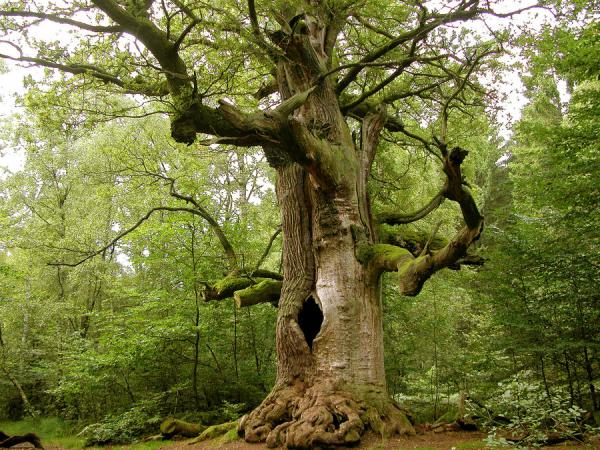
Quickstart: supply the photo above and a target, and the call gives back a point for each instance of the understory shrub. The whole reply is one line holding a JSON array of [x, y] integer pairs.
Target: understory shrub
[[531, 414], [123, 428]]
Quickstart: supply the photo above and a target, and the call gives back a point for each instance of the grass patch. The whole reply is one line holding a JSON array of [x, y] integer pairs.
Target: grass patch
[[51, 430], [57, 432], [470, 445]]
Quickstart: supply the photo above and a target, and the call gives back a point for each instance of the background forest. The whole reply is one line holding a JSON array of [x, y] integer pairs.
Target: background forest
[[125, 338]]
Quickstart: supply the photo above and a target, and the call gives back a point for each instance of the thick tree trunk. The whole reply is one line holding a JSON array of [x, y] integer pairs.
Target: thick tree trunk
[[331, 382]]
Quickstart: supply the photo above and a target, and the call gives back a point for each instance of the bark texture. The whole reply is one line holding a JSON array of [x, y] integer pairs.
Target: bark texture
[[330, 384]]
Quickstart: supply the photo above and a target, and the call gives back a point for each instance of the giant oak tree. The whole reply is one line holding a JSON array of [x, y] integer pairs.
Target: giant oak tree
[[314, 84]]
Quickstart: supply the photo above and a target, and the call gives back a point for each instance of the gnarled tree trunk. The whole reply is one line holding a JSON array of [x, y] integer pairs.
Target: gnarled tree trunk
[[330, 384], [331, 381]]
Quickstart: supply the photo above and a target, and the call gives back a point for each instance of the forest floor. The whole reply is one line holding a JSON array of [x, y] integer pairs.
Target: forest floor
[[426, 441], [442, 441]]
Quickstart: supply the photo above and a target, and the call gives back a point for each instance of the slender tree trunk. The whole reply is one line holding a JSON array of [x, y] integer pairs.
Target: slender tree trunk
[[569, 379], [196, 319], [435, 377], [590, 379], [545, 379], [26, 404], [253, 342]]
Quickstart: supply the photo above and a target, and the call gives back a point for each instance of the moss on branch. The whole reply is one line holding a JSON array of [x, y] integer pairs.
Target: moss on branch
[[383, 256], [410, 238], [215, 431], [265, 291], [175, 427], [259, 282]]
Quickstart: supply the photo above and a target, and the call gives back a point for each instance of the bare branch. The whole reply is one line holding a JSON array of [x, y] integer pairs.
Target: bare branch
[[268, 248], [76, 69], [63, 20], [183, 34], [458, 90], [465, 11], [202, 212], [122, 235], [391, 218]]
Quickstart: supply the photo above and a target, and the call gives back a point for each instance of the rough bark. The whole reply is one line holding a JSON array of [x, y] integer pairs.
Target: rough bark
[[331, 383]]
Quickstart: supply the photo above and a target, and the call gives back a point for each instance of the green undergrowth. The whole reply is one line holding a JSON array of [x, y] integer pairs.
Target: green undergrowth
[[56, 432], [468, 445], [52, 431]]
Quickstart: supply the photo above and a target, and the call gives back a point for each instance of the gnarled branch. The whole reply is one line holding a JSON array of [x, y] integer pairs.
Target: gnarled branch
[[62, 20], [413, 272]]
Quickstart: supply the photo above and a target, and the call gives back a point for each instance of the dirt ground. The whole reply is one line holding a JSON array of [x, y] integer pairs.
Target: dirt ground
[[427, 441]]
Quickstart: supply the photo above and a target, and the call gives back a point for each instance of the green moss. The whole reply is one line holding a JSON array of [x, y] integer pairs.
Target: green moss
[[265, 291], [230, 436], [263, 273], [215, 431], [172, 427], [389, 251], [228, 285], [384, 255], [404, 268]]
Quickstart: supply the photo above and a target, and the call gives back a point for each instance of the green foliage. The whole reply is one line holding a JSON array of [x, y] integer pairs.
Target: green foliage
[[126, 339], [122, 428], [533, 414]]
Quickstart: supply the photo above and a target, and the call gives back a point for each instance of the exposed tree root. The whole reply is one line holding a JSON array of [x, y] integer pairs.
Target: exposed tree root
[[299, 418]]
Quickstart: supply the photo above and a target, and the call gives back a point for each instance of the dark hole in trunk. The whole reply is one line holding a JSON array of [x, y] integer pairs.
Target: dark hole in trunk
[[310, 319]]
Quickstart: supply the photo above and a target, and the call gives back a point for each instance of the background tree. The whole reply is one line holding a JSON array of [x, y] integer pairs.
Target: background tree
[[543, 244]]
